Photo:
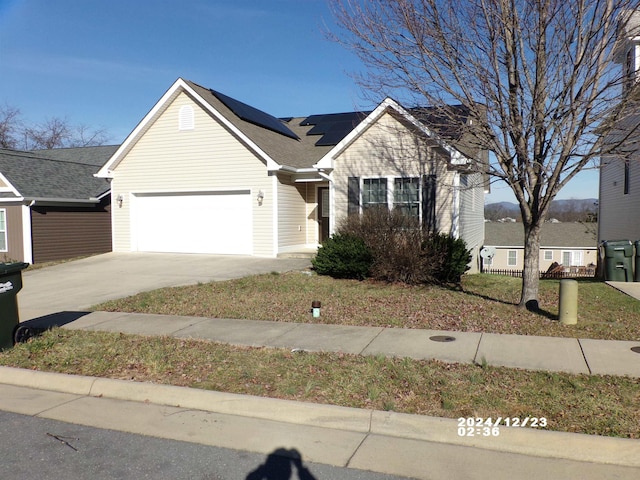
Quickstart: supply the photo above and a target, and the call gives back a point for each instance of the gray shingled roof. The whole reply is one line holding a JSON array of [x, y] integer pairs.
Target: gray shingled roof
[[303, 152], [68, 177], [570, 235]]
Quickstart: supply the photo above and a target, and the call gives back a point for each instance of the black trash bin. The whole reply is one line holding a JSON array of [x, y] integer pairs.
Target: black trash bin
[[618, 257], [10, 285]]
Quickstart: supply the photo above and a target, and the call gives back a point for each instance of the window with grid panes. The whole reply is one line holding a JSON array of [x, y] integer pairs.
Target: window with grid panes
[[406, 196], [374, 192]]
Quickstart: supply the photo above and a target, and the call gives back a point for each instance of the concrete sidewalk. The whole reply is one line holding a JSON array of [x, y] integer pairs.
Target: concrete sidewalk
[[414, 446], [602, 357]]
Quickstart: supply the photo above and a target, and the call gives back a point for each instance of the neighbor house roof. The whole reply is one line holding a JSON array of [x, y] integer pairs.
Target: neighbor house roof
[[567, 235], [298, 143], [54, 176]]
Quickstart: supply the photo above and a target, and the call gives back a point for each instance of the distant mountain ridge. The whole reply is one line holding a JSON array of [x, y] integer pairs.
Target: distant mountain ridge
[[563, 210]]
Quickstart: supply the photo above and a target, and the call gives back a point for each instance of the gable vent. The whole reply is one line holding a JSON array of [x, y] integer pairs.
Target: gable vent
[[185, 118]]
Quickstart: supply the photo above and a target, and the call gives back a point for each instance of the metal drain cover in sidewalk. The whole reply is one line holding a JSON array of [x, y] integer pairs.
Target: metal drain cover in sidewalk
[[635, 349], [442, 338]]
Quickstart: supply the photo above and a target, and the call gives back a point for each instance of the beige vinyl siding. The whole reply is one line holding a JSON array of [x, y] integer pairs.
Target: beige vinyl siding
[[618, 216], [388, 149], [313, 229], [472, 215], [14, 226], [205, 158], [500, 260], [292, 224]]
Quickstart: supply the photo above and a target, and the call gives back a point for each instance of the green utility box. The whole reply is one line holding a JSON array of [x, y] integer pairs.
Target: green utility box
[[618, 261], [10, 285]]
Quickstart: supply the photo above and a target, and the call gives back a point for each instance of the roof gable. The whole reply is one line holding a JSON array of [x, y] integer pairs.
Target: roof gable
[[303, 143]]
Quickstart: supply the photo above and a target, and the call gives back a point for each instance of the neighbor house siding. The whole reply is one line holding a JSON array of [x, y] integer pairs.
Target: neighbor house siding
[[389, 149], [65, 232], [618, 213], [472, 215], [292, 225], [501, 259], [15, 248], [205, 158]]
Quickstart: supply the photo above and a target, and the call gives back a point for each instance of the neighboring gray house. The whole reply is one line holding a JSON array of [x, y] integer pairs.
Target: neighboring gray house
[[51, 205], [619, 195], [205, 173], [568, 244]]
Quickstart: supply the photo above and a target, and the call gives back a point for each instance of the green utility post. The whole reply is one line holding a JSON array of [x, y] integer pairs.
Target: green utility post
[[568, 308]]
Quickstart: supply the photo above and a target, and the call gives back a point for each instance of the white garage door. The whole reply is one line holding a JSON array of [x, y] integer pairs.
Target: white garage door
[[217, 222]]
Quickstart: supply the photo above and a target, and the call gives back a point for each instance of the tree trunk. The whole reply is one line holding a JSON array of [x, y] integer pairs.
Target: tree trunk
[[531, 273]]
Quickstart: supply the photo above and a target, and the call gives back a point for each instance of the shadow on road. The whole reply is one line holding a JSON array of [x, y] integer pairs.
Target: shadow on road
[[279, 465]]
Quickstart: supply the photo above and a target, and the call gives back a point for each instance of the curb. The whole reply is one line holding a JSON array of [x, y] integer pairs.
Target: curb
[[524, 441]]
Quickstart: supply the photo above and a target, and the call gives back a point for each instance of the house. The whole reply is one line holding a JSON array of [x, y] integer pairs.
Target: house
[[205, 173], [619, 191], [568, 244], [51, 205]]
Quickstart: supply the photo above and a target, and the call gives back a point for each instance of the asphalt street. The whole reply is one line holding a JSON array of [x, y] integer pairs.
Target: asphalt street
[[36, 448]]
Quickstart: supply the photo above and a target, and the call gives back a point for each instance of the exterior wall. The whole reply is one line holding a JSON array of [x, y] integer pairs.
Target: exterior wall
[[389, 149], [64, 232], [15, 245], [472, 216], [205, 158], [292, 209], [313, 237], [500, 259], [619, 217]]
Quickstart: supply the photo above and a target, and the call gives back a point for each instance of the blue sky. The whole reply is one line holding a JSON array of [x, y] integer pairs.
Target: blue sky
[[105, 63]]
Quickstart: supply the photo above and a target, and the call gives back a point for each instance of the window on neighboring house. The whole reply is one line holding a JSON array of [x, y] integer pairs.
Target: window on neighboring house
[[626, 177], [374, 192], [512, 258], [572, 258], [3, 230], [548, 255], [406, 196]]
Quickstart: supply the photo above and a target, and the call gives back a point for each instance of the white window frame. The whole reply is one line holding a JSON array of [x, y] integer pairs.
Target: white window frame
[[3, 232], [418, 200], [548, 255], [390, 193], [369, 204], [576, 258], [515, 258]]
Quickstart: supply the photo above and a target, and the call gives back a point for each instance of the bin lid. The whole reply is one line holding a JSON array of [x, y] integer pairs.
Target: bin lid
[[12, 267]]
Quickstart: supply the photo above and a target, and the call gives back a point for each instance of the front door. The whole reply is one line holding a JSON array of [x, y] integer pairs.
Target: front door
[[323, 213]]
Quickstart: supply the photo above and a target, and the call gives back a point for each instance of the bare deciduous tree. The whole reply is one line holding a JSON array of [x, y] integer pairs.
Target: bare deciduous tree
[[9, 126], [54, 132], [538, 76]]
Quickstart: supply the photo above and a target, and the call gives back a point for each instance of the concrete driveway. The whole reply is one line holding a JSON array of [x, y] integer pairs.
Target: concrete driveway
[[77, 285]]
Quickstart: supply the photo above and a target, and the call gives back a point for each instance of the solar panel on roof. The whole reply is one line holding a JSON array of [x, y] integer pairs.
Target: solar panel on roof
[[333, 127], [255, 116]]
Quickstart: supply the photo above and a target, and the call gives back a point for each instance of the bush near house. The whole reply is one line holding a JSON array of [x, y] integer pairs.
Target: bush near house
[[343, 256], [400, 250]]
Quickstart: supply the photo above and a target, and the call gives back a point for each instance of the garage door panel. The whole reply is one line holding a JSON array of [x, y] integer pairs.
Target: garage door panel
[[194, 223]]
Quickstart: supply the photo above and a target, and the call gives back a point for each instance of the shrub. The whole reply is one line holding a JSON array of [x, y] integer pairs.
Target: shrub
[[403, 252], [343, 256], [454, 254]]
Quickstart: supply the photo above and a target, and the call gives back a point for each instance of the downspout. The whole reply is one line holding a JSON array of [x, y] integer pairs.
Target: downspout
[[455, 214], [27, 233]]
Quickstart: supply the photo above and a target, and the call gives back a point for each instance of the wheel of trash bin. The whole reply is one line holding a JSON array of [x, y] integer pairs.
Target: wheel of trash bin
[[22, 334]]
